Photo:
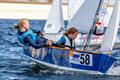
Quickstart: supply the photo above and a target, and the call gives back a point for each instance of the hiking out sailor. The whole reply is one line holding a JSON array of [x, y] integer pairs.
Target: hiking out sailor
[[28, 36], [68, 38]]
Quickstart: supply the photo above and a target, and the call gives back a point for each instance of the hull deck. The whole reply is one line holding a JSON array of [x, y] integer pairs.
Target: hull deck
[[70, 61]]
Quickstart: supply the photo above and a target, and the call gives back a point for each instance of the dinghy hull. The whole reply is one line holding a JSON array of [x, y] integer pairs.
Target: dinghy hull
[[65, 60]]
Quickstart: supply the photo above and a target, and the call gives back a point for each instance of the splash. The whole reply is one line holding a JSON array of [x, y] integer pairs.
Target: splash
[[115, 70]]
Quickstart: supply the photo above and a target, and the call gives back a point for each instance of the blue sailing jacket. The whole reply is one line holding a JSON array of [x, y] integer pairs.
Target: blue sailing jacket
[[29, 32], [31, 38], [68, 42]]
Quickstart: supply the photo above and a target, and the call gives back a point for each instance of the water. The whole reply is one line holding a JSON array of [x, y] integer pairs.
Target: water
[[14, 66]]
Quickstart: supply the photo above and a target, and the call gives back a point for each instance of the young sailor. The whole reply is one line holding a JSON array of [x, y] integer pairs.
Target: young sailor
[[28, 36], [68, 38]]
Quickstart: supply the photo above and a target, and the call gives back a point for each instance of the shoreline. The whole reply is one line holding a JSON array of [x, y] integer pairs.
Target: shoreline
[[30, 11]]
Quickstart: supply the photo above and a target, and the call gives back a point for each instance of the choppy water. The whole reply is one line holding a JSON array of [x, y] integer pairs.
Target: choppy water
[[14, 66]]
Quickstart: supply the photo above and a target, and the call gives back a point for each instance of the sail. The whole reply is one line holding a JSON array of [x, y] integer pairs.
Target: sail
[[74, 6], [108, 13], [83, 19], [111, 32], [55, 19]]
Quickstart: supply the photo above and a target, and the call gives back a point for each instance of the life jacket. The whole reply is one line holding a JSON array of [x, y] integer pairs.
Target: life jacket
[[99, 29], [68, 42], [29, 32]]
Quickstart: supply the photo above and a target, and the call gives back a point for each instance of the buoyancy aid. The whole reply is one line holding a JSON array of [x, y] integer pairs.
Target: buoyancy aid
[[68, 42], [29, 32]]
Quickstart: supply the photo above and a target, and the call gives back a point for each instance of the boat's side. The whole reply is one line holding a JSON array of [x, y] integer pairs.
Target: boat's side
[[66, 70], [60, 59]]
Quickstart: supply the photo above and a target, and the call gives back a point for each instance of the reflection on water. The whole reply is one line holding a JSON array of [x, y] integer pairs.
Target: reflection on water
[[14, 66]]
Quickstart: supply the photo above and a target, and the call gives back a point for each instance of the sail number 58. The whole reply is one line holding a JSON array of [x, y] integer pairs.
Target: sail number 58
[[86, 59]]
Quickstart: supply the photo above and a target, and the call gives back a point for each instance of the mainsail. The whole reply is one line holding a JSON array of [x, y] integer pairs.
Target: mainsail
[[111, 32], [83, 19], [55, 19]]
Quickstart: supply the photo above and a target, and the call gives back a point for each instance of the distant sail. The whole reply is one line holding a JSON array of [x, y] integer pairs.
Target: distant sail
[[108, 11], [83, 19], [55, 19], [111, 32], [74, 6]]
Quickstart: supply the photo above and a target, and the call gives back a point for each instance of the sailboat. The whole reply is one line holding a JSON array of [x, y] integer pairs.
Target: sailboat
[[85, 61]]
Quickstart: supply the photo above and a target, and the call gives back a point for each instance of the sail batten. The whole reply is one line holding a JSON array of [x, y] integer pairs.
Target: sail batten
[[55, 19], [83, 19], [111, 32]]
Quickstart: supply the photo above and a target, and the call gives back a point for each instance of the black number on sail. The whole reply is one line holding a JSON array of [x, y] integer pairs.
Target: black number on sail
[[84, 59], [87, 61]]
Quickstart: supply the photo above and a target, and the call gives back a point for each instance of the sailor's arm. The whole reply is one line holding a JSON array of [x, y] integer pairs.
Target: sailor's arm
[[37, 31], [32, 43], [62, 41]]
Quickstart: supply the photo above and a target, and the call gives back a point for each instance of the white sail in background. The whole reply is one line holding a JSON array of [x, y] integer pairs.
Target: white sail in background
[[55, 19], [111, 32], [83, 19], [109, 4], [74, 6]]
